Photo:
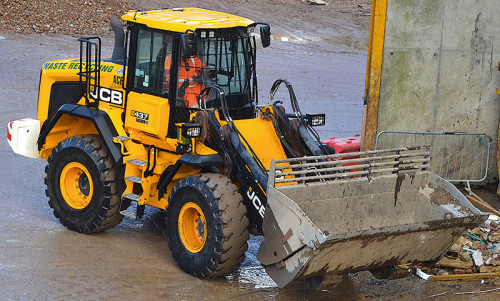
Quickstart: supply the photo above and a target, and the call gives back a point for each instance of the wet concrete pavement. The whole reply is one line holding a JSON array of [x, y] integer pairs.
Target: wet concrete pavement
[[42, 260]]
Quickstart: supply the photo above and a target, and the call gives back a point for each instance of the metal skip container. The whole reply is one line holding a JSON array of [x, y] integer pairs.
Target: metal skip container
[[382, 208]]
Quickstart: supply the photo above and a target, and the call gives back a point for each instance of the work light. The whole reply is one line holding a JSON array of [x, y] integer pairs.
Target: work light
[[191, 130], [316, 119]]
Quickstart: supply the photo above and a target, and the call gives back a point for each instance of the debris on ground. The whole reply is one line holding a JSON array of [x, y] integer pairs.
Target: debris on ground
[[477, 251], [71, 17], [316, 2]]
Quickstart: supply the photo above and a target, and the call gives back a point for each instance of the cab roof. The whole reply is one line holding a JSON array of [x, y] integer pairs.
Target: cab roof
[[182, 19]]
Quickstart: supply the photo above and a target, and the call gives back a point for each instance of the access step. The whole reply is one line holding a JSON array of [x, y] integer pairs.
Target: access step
[[139, 211], [137, 162], [129, 213], [122, 138], [134, 179], [132, 196]]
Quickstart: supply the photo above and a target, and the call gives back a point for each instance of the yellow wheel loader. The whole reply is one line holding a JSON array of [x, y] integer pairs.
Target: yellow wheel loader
[[172, 120]]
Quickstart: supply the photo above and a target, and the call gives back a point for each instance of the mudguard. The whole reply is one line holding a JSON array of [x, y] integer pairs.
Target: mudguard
[[101, 120]]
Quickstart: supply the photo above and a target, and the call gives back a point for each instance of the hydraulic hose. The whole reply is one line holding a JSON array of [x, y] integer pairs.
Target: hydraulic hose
[[250, 157], [307, 132]]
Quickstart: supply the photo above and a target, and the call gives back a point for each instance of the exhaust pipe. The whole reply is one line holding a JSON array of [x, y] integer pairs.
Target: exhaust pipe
[[119, 49]]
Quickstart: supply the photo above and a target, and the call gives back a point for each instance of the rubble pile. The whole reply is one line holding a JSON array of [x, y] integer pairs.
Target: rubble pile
[[71, 17], [477, 251]]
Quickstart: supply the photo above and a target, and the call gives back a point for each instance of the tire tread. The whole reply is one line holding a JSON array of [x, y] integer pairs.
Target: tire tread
[[108, 214], [231, 224]]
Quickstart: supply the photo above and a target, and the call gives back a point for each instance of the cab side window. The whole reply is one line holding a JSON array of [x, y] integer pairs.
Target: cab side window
[[153, 48]]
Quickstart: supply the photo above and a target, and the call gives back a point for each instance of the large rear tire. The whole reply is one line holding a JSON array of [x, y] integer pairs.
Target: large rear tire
[[81, 185], [207, 225]]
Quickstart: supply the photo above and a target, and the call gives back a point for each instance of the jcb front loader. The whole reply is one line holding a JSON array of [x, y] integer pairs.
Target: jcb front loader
[[172, 120]]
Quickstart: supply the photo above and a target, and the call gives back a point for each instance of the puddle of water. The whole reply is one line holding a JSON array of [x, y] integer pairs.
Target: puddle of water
[[302, 38], [251, 274]]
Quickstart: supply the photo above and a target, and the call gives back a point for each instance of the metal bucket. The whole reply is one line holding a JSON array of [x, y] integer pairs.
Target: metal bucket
[[383, 208]]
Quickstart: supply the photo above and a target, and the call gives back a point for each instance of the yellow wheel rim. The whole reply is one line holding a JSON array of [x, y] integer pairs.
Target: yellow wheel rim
[[76, 185], [192, 227]]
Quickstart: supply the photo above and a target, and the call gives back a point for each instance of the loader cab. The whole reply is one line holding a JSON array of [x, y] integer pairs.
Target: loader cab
[[170, 66], [227, 57], [148, 52]]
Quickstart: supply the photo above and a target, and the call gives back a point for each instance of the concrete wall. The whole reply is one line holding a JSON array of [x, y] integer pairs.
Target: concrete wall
[[440, 67]]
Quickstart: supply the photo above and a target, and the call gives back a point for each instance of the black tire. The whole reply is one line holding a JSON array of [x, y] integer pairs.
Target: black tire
[[99, 213], [226, 225]]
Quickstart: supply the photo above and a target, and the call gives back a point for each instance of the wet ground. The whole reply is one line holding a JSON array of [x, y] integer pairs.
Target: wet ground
[[42, 260]]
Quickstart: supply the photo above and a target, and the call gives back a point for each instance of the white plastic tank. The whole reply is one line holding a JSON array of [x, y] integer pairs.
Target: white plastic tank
[[22, 136]]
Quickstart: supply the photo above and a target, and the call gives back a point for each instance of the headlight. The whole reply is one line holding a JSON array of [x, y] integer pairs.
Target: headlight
[[191, 130], [316, 119]]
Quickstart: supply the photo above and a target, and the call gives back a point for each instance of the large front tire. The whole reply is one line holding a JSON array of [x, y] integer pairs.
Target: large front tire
[[81, 185], [207, 226]]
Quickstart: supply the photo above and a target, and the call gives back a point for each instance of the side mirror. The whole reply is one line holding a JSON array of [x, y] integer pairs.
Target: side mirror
[[188, 44], [265, 35]]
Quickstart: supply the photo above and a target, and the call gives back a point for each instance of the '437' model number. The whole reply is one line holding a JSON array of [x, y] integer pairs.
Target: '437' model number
[[140, 116]]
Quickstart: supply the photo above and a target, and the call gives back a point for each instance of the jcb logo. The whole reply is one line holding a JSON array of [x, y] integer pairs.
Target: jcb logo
[[256, 202], [107, 95]]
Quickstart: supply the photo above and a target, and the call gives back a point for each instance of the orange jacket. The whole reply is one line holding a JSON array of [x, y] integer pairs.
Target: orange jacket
[[190, 85]]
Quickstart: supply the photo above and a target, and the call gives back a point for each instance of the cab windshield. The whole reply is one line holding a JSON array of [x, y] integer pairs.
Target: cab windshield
[[225, 58]]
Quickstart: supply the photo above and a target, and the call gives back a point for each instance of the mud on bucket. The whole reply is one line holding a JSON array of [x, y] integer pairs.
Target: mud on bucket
[[381, 209]]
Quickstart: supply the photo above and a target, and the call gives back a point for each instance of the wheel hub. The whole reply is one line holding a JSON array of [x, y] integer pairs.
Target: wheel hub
[[192, 227], [83, 183], [76, 185], [200, 228]]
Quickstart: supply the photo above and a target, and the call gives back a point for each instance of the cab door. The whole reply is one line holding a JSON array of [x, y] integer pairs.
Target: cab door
[[147, 108]]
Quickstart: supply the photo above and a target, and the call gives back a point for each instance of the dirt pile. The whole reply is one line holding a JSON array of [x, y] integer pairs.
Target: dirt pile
[[339, 22], [72, 17]]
